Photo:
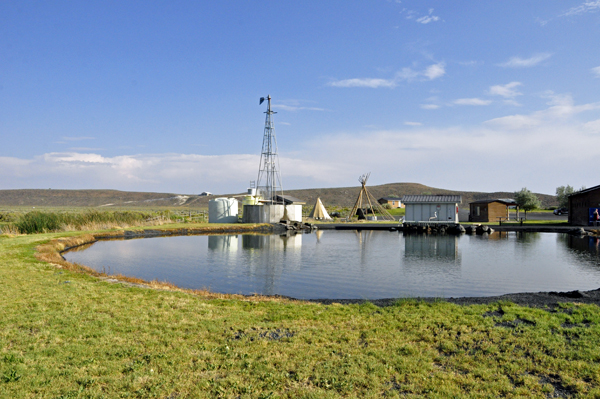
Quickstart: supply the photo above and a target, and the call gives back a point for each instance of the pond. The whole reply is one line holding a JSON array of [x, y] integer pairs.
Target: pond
[[356, 265]]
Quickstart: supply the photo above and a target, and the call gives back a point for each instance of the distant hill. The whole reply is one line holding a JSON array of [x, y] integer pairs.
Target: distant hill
[[341, 197]]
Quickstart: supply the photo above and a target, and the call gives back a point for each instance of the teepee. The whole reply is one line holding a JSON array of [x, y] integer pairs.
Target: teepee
[[319, 211], [370, 202]]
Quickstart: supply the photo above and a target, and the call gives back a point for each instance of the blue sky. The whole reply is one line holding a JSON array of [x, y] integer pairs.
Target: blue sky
[[163, 95]]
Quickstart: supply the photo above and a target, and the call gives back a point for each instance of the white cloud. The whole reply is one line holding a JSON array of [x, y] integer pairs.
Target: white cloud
[[296, 108], [413, 123], [588, 6], [435, 71], [593, 126], [428, 18], [77, 138], [471, 101], [560, 111], [429, 106], [432, 72], [596, 71], [506, 91], [518, 62], [365, 82]]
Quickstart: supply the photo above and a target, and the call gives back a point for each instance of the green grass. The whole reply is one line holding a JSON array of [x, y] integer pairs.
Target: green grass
[[65, 334]]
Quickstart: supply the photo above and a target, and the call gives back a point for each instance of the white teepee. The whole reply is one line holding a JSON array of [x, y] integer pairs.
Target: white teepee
[[319, 211]]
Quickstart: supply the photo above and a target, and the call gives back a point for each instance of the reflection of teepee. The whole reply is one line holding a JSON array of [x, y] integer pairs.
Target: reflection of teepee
[[319, 211], [372, 206]]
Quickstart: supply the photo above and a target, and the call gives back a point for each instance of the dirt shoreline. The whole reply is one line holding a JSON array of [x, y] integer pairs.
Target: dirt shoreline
[[530, 299]]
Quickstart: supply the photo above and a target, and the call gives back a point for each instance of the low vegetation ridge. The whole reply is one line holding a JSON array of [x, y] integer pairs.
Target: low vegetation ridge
[[336, 197]]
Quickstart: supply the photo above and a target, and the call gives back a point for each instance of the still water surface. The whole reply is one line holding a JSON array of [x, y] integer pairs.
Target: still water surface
[[350, 264]]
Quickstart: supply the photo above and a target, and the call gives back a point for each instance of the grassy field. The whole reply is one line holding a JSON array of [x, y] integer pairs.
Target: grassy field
[[67, 334]]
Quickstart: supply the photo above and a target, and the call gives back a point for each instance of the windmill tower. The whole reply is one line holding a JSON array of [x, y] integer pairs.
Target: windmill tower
[[268, 183], [367, 197]]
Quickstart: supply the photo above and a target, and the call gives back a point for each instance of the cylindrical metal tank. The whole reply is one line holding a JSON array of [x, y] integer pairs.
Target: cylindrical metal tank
[[250, 200], [223, 210]]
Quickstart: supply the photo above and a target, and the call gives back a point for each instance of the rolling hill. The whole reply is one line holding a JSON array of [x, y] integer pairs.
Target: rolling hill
[[340, 197]]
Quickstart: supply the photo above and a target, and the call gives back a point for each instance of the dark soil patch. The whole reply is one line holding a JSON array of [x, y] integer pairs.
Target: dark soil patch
[[543, 300]]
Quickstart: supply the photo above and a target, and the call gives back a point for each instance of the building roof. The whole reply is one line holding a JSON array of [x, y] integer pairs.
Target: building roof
[[390, 199], [432, 199], [505, 201], [587, 190], [289, 200]]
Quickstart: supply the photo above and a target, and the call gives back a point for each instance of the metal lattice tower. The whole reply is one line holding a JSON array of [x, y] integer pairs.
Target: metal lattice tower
[[269, 178]]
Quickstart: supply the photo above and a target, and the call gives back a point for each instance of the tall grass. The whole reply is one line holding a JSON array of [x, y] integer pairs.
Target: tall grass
[[45, 222]]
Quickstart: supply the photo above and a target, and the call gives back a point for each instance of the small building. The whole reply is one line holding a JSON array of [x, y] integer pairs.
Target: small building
[[205, 194], [490, 210], [582, 205], [432, 208], [393, 202]]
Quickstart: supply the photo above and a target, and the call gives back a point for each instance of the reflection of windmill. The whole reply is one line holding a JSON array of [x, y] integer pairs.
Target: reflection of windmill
[[373, 205]]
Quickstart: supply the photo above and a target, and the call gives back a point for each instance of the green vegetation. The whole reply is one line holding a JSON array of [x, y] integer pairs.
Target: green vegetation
[[67, 334], [54, 220], [527, 201]]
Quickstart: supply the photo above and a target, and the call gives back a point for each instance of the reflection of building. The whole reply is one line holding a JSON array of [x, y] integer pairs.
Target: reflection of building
[[582, 205], [490, 210], [432, 248], [272, 242], [225, 243]]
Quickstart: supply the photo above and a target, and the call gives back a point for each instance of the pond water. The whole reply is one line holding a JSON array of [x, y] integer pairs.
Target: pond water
[[352, 264]]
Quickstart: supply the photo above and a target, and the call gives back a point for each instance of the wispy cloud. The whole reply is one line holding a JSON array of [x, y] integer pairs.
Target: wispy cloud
[[588, 6], [428, 18], [429, 106], [425, 19], [471, 101], [296, 108], [596, 71], [562, 108], [518, 62], [66, 138], [413, 123], [432, 72], [506, 91]]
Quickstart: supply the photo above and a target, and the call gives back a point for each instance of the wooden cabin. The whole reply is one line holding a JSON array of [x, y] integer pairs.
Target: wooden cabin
[[490, 210], [582, 205]]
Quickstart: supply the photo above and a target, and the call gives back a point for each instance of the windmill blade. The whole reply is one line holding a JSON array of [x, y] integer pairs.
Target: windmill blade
[[262, 100]]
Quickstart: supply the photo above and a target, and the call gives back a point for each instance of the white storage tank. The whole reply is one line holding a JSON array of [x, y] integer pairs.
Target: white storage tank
[[223, 210]]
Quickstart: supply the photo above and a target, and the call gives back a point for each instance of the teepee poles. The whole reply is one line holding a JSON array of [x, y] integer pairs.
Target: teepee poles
[[359, 201]]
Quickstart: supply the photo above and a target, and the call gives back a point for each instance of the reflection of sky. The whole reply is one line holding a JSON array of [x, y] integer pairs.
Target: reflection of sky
[[349, 264]]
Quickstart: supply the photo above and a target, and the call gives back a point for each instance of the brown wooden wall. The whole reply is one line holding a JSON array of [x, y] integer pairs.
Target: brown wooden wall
[[580, 204], [488, 212]]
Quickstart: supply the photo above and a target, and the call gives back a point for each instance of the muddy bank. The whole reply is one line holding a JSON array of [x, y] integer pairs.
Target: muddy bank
[[536, 300]]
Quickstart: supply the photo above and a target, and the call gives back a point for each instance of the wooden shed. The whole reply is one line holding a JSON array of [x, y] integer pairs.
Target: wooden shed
[[393, 202], [432, 208], [582, 205], [490, 210]]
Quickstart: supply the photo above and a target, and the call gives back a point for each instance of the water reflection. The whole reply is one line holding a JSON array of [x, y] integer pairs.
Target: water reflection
[[352, 264], [223, 243], [585, 249], [438, 249]]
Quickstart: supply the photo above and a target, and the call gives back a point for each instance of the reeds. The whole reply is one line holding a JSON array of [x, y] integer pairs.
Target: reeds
[[45, 222]]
